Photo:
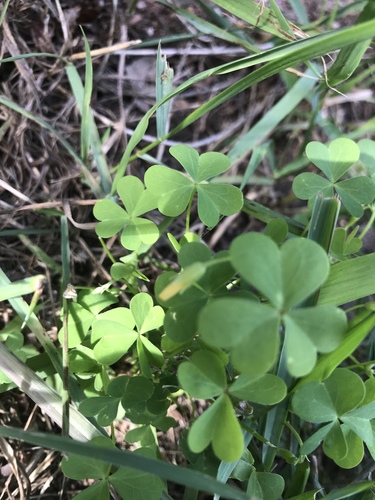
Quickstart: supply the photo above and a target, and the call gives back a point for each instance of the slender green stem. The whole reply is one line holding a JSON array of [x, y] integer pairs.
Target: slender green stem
[[188, 211], [369, 223], [65, 380]]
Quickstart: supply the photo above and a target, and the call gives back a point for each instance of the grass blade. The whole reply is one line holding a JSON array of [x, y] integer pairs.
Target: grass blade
[[163, 81], [44, 396], [86, 113], [180, 475], [349, 280]]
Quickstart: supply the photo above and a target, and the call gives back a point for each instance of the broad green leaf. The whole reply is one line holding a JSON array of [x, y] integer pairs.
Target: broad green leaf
[[147, 316], [173, 189], [314, 441], [343, 153], [143, 359], [360, 426], [137, 390], [96, 302], [180, 323], [355, 450], [189, 159], [256, 257], [115, 340], [277, 230], [226, 322], [311, 330], [285, 277], [136, 200], [265, 486], [312, 402], [136, 485], [154, 355], [203, 376], [99, 491], [113, 218], [90, 407], [220, 426], [120, 315], [267, 389], [335, 445], [257, 352], [216, 199], [75, 468], [356, 192], [343, 246], [321, 402], [346, 390], [81, 360], [193, 252], [305, 266], [138, 231], [249, 329], [367, 155], [318, 154], [79, 323], [307, 185], [212, 164], [110, 413]]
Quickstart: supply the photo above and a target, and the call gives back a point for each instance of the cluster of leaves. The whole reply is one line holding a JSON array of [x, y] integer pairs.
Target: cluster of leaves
[[171, 192], [230, 312], [334, 161]]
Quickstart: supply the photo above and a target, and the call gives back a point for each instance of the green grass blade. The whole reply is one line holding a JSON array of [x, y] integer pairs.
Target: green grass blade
[[176, 474], [329, 362], [263, 128], [349, 57], [95, 142], [349, 491], [40, 254], [256, 14], [280, 58], [266, 215], [300, 11], [349, 280], [44, 396], [22, 287], [207, 28], [86, 112], [163, 84], [283, 23]]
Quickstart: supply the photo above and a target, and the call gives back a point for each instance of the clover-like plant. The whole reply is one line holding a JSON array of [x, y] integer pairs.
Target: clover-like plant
[[334, 161], [135, 230], [345, 404], [204, 377], [113, 333], [285, 277], [181, 318], [175, 191]]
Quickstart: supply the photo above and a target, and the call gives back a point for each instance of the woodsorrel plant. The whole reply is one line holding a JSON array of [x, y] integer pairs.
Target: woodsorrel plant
[[257, 333]]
